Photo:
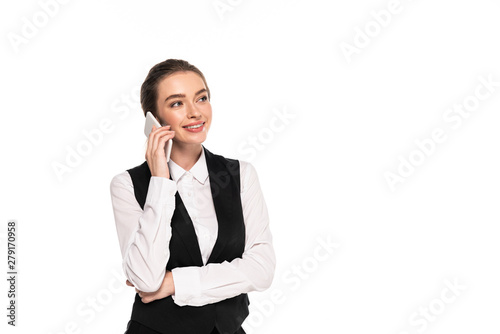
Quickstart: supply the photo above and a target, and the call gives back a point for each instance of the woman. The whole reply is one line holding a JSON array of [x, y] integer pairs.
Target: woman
[[194, 231]]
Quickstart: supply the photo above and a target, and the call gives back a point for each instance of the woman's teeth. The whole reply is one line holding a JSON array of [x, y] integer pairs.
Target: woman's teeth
[[194, 126]]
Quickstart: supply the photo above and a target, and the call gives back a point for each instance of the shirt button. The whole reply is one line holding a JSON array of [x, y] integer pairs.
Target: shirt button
[[189, 194]]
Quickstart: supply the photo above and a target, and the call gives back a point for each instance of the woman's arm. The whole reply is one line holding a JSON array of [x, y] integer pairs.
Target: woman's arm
[[144, 235], [197, 286]]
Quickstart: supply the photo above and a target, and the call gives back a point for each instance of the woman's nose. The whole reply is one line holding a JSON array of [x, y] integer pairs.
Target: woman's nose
[[192, 111]]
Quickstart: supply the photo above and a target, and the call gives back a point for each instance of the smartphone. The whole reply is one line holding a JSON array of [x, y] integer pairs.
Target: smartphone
[[148, 127]]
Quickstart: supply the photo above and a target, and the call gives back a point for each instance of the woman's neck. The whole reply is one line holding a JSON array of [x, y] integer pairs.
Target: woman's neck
[[185, 155]]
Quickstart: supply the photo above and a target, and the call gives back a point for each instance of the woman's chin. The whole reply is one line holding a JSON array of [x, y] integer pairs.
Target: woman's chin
[[197, 141]]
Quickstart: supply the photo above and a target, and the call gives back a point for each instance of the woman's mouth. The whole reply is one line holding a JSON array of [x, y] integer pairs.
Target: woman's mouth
[[195, 128]]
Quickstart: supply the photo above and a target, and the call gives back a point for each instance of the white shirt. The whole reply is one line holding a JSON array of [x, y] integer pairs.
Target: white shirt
[[144, 235]]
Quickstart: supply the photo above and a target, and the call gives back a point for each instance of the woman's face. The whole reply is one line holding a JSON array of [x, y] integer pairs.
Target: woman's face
[[183, 104]]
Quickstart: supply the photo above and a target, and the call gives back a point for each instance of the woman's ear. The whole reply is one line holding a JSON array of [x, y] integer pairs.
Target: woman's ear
[[159, 121]]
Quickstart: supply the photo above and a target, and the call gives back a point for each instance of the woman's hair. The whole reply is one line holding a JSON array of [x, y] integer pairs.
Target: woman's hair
[[149, 88]]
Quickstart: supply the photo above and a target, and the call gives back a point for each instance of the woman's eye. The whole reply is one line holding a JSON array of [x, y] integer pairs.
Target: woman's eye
[[175, 104], [203, 98]]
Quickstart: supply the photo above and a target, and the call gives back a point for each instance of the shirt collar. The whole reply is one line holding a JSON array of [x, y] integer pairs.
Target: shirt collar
[[199, 170]]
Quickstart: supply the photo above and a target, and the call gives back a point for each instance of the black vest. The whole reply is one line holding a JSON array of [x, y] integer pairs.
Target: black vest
[[163, 315]]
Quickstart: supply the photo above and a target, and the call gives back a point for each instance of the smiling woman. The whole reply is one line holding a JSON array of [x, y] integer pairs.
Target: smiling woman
[[187, 110], [194, 231]]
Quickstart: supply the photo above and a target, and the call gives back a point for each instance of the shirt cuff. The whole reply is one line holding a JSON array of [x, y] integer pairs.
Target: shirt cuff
[[187, 285], [160, 189]]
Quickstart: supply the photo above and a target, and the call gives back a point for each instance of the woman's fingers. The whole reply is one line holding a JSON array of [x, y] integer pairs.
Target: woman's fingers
[[146, 297], [155, 137], [155, 152]]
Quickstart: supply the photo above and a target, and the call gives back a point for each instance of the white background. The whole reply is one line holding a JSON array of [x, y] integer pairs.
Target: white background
[[322, 173]]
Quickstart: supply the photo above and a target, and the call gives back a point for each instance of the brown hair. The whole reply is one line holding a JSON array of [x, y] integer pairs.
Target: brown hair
[[149, 88]]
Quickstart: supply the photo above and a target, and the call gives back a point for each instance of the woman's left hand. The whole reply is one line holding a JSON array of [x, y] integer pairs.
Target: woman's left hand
[[166, 289]]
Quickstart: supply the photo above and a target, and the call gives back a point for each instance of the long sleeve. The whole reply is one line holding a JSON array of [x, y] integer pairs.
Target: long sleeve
[[197, 286], [143, 235]]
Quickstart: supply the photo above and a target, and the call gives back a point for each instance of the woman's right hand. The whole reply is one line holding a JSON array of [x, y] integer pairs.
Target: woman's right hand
[[155, 152]]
